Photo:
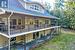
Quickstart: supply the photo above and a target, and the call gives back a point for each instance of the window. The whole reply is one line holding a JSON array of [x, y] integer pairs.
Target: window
[[13, 22], [32, 7], [37, 23], [19, 21], [31, 21], [46, 21], [23, 21], [35, 7]]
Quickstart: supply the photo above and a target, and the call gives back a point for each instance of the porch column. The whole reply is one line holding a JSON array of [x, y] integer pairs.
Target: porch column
[[24, 42], [44, 33], [9, 29], [9, 32], [9, 44]]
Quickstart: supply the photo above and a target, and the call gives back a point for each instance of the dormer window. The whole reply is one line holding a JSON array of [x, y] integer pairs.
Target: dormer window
[[32, 7], [35, 7]]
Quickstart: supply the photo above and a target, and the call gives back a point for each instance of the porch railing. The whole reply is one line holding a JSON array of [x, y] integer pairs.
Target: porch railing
[[21, 28], [28, 28], [4, 29]]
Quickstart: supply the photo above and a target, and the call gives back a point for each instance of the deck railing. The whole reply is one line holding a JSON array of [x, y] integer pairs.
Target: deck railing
[[21, 28], [4, 29], [28, 28]]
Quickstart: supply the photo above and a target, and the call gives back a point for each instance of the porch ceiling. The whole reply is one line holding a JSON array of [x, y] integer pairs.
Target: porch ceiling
[[21, 14], [4, 15]]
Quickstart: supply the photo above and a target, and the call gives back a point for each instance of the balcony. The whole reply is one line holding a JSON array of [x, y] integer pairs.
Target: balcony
[[27, 28], [16, 29], [19, 23], [3, 29]]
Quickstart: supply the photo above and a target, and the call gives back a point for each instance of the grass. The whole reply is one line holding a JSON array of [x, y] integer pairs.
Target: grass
[[64, 41]]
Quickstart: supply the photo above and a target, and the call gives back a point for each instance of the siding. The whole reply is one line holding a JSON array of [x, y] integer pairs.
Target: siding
[[3, 41], [29, 38], [47, 32], [41, 33]]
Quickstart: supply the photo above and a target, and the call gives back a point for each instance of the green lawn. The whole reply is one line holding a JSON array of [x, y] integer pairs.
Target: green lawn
[[64, 41]]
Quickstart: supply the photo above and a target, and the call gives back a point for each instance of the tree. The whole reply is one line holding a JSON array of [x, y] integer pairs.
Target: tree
[[47, 6], [58, 11], [66, 15], [69, 14]]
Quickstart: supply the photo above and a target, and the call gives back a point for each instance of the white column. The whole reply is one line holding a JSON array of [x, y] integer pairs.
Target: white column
[[9, 32], [9, 29], [9, 44], [24, 42]]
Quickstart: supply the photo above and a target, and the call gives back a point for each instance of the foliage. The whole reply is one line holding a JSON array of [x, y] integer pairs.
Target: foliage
[[66, 15], [69, 14], [47, 7]]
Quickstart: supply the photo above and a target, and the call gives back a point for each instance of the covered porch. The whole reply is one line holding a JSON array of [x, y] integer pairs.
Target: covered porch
[[34, 41], [17, 23]]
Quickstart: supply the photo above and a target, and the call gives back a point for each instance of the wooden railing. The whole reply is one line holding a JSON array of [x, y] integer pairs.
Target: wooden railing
[[21, 28], [28, 28], [4, 29]]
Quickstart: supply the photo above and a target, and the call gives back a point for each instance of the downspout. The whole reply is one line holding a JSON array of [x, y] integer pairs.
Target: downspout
[[9, 29], [9, 23]]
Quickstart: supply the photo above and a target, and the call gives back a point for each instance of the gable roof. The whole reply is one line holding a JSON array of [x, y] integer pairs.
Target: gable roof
[[29, 2], [16, 6]]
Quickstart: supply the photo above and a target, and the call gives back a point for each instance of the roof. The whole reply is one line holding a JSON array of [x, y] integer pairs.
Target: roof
[[16, 7], [2, 11]]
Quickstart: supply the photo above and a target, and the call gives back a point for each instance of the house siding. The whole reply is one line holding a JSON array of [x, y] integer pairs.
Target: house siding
[[3, 41]]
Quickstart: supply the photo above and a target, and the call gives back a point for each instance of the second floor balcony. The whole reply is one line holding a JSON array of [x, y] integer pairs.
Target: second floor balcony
[[19, 23]]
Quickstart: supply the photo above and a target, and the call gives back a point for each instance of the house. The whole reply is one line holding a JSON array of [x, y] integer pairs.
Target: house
[[24, 24]]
